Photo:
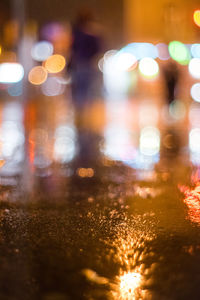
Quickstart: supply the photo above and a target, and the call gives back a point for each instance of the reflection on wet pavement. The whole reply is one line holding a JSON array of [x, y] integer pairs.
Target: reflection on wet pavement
[[116, 229], [102, 204], [123, 240]]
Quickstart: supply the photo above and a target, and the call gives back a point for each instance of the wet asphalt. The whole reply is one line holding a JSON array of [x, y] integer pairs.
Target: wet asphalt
[[121, 234]]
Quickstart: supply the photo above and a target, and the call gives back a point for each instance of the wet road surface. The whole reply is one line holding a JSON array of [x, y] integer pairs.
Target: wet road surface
[[112, 236], [101, 205]]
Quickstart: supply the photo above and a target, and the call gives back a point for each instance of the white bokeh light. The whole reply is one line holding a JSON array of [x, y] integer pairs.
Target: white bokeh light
[[194, 140], [116, 81], [195, 50], [42, 50], [148, 67], [124, 61], [11, 72], [195, 92], [150, 141], [194, 67]]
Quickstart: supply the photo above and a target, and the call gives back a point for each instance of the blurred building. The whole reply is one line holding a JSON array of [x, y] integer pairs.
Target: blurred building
[[162, 20], [109, 13]]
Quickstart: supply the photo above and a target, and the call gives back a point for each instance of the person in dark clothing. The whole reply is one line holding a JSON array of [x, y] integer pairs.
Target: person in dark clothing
[[86, 45], [171, 77]]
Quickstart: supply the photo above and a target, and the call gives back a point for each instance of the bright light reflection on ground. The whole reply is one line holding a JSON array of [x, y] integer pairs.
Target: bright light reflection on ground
[[129, 283], [65, 144], [150, 141]]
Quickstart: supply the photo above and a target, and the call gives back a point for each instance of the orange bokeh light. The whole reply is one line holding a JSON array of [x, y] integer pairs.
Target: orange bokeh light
[[55, 63], [196, 17], [37, 75]]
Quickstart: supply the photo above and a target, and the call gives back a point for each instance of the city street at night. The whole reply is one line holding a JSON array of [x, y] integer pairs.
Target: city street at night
[[99, 150]]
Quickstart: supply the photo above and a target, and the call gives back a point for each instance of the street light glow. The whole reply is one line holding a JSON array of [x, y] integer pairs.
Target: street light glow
[[11, 72], [148, 67], [179, 52], [196, 17]]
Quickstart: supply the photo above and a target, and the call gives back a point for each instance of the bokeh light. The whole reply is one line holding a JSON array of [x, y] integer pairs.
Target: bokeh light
[[129, 282], [15, 89], [118, 143], [194, 140], [150, 141], [42, 50], [179, 52], [85, 172], [65, 143], [53, 87], [101, 64], [125, 61], [163, 52], [195, 92], [51, 30], [55, 63], [37, 75], [11, 136], [11, 72], [141, 50], [116, 81], [148, 67], [177, 110], [109, 53], [194, 67], [194, 113], [195, 50], [196, 17]]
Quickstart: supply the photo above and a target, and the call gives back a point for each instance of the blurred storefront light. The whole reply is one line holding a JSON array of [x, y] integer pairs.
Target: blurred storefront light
[[118, 143], [194, 146], [116, 81], [55, 63], [177, 110], [141, 50], [179, 52], [42, 50], [149, 141], [195, 92], [148, 68], [194, 140], [163, 52], [37, 75], [124, 61], [65, 143], [11, 72], [195, 50], [194, 67], [196, 17], [15, 89]]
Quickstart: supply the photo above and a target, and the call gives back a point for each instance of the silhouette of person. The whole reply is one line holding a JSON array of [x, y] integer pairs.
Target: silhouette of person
[[86, 45], [171, 77]]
